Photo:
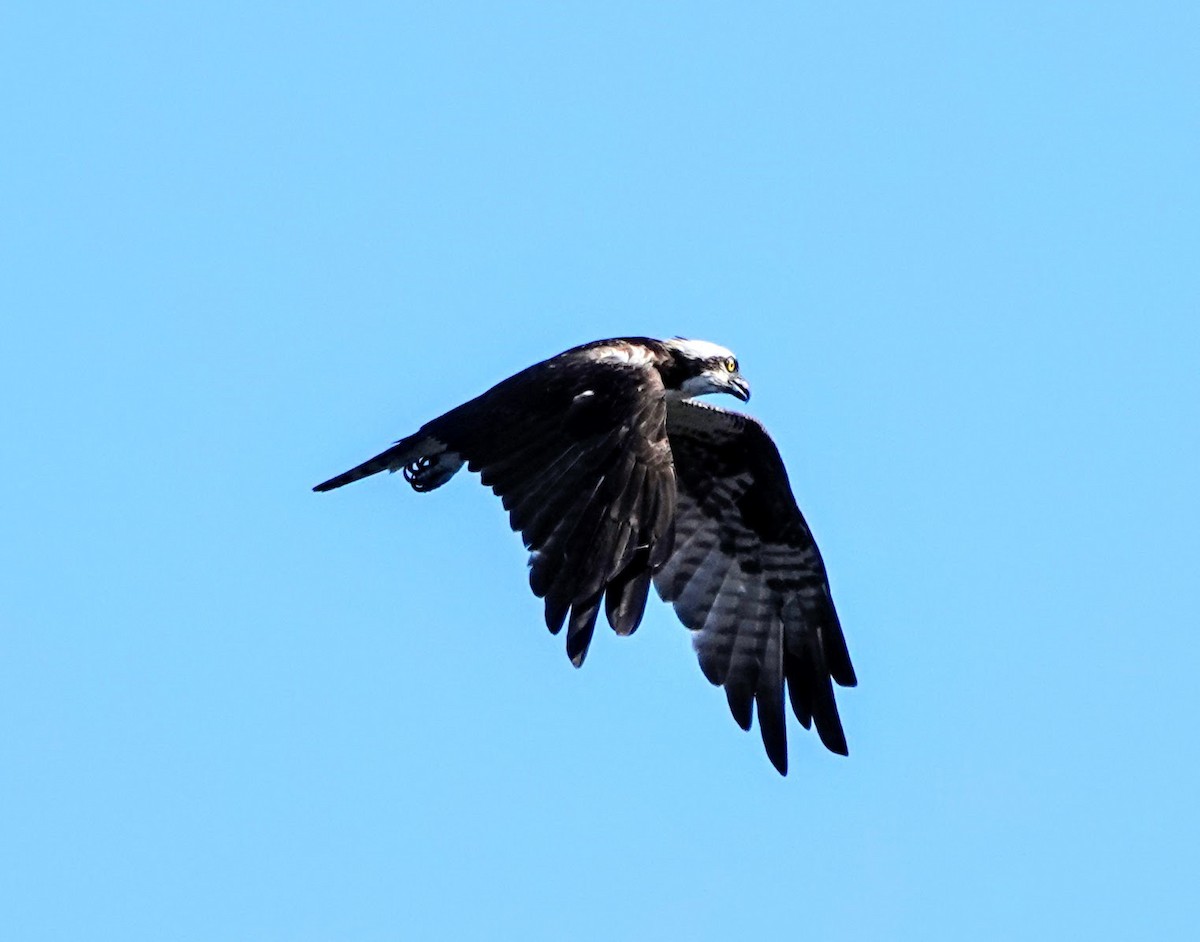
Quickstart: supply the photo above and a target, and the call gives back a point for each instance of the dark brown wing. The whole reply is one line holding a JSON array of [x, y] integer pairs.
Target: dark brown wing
[[746, 576], [576, 448]]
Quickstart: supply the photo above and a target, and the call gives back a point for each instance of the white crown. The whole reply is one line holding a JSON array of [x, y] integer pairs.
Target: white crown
[[698, 349]]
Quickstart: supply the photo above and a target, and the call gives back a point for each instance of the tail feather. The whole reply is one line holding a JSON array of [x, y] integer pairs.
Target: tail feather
[[396, 457]]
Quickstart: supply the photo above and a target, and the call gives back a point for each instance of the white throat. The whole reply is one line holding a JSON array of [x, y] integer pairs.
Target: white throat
[[700, 385]]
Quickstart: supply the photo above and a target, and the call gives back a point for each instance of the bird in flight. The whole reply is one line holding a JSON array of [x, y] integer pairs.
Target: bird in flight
[[616, 476]]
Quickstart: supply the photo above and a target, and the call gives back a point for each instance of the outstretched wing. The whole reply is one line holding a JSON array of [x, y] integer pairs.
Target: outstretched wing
[[576, 447], [746, 576]]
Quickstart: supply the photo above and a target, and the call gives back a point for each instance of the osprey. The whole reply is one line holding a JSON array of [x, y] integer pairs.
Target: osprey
[[615, 476]]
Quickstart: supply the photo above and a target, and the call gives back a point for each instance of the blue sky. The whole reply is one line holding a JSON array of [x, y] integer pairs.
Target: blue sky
[[955, 247]]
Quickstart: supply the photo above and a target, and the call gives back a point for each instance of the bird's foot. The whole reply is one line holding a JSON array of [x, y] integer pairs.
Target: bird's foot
[[426, 473]]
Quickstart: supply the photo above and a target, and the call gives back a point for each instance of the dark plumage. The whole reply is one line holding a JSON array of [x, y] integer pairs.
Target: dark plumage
[[615, 477]]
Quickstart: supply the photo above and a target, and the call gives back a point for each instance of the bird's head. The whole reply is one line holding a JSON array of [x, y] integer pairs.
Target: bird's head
[[702, 367]]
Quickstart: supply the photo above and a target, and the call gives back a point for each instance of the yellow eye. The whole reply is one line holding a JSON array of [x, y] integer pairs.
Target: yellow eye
[[731, 365]]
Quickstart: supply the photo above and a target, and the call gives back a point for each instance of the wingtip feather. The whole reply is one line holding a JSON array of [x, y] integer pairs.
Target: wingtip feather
[[779, 760], [625, 598], [580, 628], [741, 705]]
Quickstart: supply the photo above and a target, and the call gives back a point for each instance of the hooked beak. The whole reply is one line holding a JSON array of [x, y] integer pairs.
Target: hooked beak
[[740, 388]]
